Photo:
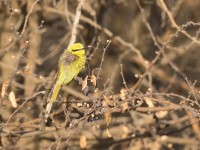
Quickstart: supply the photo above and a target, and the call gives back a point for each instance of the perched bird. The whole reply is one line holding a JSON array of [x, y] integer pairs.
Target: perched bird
[[70, 64]]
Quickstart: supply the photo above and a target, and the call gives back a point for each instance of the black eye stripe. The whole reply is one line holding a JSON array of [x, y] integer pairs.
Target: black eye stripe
[[74, 50]]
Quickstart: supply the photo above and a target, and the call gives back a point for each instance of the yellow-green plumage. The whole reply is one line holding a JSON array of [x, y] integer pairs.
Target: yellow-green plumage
[[70, 64]]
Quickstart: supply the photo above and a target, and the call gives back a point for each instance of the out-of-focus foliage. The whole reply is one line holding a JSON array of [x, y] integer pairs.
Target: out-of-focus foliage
[[141, 82]]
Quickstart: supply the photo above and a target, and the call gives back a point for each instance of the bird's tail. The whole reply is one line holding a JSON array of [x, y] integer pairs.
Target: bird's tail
[[53, 97]]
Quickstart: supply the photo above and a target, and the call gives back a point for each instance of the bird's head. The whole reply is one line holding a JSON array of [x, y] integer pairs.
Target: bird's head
[[77, 49]]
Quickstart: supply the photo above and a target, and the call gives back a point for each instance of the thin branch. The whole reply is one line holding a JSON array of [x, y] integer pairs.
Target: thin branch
[[174, 24], [76, 22]]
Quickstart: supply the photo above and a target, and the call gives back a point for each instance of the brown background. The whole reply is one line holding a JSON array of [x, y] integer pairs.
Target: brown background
[[147, 92]]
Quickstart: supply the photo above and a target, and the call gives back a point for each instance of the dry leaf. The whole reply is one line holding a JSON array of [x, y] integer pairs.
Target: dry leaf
[[107, 100], [149, 101], [84, 83], [27, 68], [4, 88], [124, 106], [12, 99], [108, 133], [107, 117], [125, 132], [161, 114], [123, 93], [93, 79], [83, 142]]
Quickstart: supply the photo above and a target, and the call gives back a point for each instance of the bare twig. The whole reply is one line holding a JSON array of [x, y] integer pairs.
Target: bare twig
[[174, 24], [123, 79], [76, 22], [27, 16]]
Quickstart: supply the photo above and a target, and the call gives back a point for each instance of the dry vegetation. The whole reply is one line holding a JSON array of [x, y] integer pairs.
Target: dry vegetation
[[143, 57]]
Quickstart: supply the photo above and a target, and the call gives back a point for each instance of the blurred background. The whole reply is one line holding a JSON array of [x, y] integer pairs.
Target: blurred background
[[143, 55]]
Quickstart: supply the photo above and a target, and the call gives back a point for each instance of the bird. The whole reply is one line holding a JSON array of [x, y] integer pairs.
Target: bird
[[71, 62]]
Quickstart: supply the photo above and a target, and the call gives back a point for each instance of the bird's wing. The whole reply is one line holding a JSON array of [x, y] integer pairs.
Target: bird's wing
[[67, 58]]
